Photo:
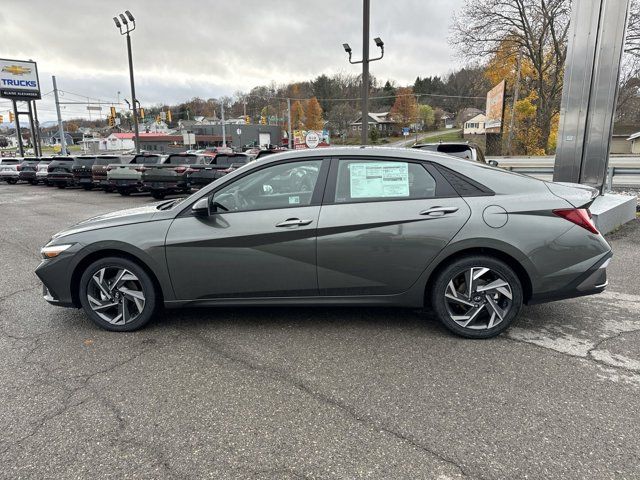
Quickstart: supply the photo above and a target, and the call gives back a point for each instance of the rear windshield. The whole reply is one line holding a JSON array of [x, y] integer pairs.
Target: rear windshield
[[462, 151], [107, 160], [45, 160], [63, 159], [228, 160], [181, 159], [85, 162], [146, 159], [9, 161]]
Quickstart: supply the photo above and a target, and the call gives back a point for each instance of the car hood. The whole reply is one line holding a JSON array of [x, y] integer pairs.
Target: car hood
[[113, 219]]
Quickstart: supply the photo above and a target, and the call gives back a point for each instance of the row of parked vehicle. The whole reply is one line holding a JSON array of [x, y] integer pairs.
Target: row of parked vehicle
[[159, 175]]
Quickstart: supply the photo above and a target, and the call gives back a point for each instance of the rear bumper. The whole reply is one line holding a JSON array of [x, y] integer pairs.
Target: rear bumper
[[590, 282], [9, 175], [173, 185], [124, 183], [60, 179], [26, 176]]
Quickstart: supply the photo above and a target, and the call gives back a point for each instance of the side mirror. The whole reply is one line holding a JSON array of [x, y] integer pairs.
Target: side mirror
[[201, 207], [493, 163]]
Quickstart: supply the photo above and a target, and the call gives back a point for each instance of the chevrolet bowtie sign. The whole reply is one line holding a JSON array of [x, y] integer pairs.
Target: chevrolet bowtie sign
[[19, 80]]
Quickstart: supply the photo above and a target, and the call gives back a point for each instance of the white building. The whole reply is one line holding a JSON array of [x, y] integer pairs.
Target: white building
[[475, 125], [120, 141]]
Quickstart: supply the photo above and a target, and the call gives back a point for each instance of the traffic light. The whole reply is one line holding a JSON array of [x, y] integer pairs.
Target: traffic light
[[247, 119], [112, 121], [1, 119], [263, 120], [157, 118], [142, 113], [113, 112], [168, 116], [12, 117]]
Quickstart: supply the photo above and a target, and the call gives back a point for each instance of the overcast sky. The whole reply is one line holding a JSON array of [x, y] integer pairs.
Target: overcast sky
[[207, 48]]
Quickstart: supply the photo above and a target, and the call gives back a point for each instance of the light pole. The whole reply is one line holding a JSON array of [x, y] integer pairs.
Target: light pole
[[366, 8], [127, 24]]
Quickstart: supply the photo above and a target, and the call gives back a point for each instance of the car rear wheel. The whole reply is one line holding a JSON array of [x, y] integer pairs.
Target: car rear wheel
[[117, 294], [88, 187], [125, 192], [477, 296], [12, 181], [158, 195]]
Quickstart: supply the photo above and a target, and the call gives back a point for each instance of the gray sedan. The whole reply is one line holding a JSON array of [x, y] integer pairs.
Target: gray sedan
[[343, 226]]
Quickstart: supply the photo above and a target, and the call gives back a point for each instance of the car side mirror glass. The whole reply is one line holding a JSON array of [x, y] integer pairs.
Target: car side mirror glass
[[493, 163], [201, 207]]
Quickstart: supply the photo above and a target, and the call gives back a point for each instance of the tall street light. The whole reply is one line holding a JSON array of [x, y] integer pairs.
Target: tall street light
[[366, 8], [127, 24]]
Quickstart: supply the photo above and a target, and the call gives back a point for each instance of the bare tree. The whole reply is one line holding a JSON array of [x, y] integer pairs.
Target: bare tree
[[537, 28]]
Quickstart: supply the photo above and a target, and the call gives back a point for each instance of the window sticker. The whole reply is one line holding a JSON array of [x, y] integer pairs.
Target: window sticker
[[294, 200], [379, 179]]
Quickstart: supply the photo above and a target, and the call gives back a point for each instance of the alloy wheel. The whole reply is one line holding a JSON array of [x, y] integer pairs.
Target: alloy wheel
[[116, 295], [478, 298]]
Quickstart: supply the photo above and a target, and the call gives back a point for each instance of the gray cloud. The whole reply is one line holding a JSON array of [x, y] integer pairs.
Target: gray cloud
[[212, 48]]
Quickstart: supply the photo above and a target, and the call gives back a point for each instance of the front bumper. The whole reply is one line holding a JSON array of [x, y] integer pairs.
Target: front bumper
[[591, 282], [55, 275]]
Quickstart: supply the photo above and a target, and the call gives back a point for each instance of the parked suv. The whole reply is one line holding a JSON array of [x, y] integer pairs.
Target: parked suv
[[99, 171], [171, 175], [27, 170], [127, 178], [42, 170], [222, 164], [465, 150], [9, 170], [60, 173], [81, 170]]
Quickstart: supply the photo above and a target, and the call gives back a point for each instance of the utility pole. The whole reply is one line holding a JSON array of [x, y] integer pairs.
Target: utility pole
[[290, 130], [63, 143], [366, 9], [516, 94], [224, 131], [32, 127], [37, 122]]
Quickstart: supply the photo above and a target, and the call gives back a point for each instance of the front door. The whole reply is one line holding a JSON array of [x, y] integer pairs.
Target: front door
[[259, 241], [382, 223]]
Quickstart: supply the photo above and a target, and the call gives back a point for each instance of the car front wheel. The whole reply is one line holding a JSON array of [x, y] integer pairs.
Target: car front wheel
[[117, 294], [477, 296]]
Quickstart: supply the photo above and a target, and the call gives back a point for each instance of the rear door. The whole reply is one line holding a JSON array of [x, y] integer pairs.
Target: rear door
[[382, 222]]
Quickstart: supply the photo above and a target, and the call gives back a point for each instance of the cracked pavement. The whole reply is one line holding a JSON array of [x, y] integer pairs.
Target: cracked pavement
[[328, 393]]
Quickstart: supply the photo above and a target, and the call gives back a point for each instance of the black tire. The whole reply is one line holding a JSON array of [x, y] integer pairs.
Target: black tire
[[443, 305], [148, 288], [61, 186], [12, 181], [33, 182], [125, 192], [108, 190], [88, 187], [158, 195]]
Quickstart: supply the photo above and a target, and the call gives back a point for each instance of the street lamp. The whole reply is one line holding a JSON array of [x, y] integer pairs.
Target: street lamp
[[127, 24], [366, 8]]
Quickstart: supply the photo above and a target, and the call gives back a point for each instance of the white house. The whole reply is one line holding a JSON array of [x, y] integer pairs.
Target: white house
[[475, 125], [120, 141]]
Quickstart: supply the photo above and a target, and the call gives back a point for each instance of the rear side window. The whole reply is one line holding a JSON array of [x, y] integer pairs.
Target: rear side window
[[375, 180]]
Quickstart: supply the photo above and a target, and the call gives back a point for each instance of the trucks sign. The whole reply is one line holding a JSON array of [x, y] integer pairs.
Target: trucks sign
[[19, 80]]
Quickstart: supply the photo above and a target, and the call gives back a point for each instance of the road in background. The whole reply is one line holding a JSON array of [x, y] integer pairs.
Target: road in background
[[332, 393]]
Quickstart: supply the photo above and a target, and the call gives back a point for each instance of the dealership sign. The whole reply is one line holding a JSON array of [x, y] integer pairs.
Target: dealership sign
[[310, 138], [19, 80]]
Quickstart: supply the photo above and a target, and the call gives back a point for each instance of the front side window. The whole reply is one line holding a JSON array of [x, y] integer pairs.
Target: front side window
[[279, 186], [375, 180]]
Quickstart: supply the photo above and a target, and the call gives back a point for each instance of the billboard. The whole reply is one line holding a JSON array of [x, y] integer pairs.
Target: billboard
[[310, 139], [495, 108], [19, 80]]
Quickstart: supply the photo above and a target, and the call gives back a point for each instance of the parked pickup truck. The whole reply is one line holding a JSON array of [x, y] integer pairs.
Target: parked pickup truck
[[60, 173], [223, 163], [127, 177], [42, 171], [27, 170], [9, 170], [171, 176], [99, 171], [81, 170]]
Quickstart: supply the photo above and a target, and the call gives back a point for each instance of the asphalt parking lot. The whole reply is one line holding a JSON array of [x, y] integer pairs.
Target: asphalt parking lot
[[309, 392]]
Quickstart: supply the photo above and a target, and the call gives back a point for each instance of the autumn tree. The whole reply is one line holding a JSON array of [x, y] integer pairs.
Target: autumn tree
[[426, 116], [297, 115], [537, 28], [405, 109], [313, 115]]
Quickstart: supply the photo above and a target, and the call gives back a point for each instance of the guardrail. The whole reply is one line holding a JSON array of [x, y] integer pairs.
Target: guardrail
[[611, 173]]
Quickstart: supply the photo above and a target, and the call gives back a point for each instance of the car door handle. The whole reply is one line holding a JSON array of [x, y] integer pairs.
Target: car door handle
[[293, 222], [438, 211]]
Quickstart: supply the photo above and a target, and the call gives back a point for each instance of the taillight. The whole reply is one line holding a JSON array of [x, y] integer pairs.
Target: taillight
[[19, 167], [109, 169], [141, 169], [579, 216], [180, 169], [190, 170]]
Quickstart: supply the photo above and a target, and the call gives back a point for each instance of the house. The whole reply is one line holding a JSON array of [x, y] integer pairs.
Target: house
[[53, 138], [466, 114], [380, 121], [447, 120], [475, 125]]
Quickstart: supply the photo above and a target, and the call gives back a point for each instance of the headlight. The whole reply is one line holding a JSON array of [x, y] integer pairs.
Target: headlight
[[52, 251]]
